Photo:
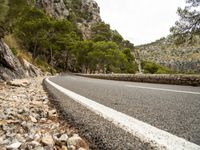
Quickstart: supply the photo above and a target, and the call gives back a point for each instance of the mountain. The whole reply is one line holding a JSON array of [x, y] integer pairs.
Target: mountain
[[64, 35], [181, 54], [85, 12]]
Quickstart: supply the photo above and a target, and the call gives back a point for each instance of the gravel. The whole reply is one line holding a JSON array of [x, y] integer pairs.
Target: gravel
[[29, 121]]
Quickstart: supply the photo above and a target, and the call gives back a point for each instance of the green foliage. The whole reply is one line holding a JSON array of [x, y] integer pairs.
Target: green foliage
[[105, 57], [131, 66], [101, 32], [4, 9], [17, 8], [3, 13], [58, 43], [116, 37], [179, 40], [189, 21], [14, 51], [153, 68], [41, 62], [45, 36]]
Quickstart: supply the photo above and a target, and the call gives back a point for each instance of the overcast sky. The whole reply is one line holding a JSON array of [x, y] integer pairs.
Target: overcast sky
[[140, 21]]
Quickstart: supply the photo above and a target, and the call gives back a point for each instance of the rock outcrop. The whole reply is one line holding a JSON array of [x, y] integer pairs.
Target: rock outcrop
[[54, 8], [11, 67], [30, 69], [60, 10], [179, 57], [91, 8]]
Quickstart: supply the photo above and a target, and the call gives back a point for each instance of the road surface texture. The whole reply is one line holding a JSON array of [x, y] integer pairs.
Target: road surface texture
[[172, 108]]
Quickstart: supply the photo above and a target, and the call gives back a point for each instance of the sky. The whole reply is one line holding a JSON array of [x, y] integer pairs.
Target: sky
[[140, 21]]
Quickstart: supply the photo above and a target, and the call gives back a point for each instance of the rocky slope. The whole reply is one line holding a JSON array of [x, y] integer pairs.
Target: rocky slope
[[11, 67], [184, 57], [62, 9], [29, 121]]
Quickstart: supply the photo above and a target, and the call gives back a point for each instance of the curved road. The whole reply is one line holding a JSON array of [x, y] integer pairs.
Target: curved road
[[172, 108]]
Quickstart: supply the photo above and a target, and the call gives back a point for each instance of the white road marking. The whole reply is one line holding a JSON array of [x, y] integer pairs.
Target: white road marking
[[147, 133], [160, 89]]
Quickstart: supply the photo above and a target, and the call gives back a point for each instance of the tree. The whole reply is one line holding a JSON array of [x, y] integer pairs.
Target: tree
[[81, 52], [101, 32], [131, 65], [4, 9], [106, 57], [189, 21], [32, 28]]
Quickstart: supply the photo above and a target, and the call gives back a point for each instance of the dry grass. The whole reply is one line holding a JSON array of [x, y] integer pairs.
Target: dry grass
[[21, 53], [12, 42]]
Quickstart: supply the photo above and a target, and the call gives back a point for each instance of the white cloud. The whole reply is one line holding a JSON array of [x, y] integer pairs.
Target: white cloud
[[140, 21]]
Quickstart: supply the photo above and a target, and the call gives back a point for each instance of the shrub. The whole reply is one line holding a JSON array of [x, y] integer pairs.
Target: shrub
[[153, 68]]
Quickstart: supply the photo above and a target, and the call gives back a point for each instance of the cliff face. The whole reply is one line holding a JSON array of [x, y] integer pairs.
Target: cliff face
[[63, 9], [12, 68], [54, 8], [179, 57]]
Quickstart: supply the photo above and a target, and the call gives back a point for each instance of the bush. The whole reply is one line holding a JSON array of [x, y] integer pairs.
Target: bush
[[153, 68]]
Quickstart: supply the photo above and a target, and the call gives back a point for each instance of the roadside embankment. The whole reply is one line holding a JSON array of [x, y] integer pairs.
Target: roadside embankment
[[29, 121], [179, 79]]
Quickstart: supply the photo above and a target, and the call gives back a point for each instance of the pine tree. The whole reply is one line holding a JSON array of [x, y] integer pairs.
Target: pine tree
[[189, 21]]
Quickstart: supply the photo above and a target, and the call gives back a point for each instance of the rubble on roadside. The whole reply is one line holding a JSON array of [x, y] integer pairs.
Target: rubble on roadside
[[27, 121]]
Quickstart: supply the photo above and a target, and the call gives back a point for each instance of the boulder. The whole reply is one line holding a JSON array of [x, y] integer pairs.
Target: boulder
[[47, 139], [77, 141], [13, 68], [10, 67], [18, 82], [30, 69]]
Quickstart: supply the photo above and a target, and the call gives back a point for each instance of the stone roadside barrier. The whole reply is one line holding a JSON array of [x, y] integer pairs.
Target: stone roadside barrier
[[179, 79]]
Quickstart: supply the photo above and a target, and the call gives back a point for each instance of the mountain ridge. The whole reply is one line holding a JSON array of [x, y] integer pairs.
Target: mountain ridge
[[181, 55]]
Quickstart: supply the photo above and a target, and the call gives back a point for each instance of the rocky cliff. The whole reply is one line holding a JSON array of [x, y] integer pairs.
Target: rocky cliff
[[11, 67], [184, 57], [87, 12]]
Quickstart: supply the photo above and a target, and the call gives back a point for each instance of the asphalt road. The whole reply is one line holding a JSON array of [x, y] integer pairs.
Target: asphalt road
[[175, 109]]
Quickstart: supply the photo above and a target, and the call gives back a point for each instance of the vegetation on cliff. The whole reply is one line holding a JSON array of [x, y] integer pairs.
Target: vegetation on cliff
[[60, 44], [180, 51]]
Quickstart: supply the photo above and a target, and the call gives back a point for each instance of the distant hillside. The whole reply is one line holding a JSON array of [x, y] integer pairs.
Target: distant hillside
[[179, 54]]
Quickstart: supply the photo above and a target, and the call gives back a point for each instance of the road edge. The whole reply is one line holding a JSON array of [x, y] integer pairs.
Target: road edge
[[133, 127]]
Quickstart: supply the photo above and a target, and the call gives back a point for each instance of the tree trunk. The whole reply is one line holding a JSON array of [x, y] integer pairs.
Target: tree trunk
[[35, 49], [66, 61], [51, 56]]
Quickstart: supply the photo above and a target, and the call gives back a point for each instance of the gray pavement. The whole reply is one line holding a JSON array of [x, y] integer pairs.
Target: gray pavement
[[169, 109]]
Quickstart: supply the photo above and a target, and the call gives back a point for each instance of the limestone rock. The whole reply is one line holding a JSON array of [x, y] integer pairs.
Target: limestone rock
[[184, 57], [13, 68], [10, 66], [18, 83], [33, 119], [55, 8], [64, 148], [26, 123], [60, 10], [77, 142], [47, 139], [91, 8], [15, 145], [30, 69]]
